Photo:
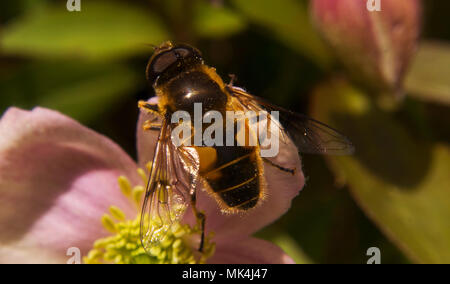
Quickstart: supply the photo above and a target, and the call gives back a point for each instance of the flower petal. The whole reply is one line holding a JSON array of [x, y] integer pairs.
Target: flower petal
[[57, 178], [249, 251]]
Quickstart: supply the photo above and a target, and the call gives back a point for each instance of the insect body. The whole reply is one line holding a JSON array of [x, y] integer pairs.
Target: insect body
[[232, 174]]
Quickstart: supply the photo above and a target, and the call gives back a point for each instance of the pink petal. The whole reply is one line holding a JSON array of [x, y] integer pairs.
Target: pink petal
[[249, 251], [282, 187], [57, 178]]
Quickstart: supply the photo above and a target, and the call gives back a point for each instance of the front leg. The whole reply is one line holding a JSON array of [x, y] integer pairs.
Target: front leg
[[199, 216], [154, 110], [291, 171], [152, 125], [233, 79], [150, 108]]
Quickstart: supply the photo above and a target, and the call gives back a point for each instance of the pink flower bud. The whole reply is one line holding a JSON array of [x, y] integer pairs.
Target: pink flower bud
[[376, 46]]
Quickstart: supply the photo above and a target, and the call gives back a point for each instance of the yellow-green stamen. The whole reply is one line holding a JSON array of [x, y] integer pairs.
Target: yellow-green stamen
[[124, 247]]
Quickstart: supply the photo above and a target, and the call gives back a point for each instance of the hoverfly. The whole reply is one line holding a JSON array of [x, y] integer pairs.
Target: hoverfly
[[232, 175]]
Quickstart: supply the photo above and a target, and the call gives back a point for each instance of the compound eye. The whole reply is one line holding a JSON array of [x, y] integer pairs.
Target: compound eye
[[164, 61], [182, 52]]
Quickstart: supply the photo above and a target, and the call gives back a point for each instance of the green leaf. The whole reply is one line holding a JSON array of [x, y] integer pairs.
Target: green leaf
[[78, 89], [400, 182], [101, 30], [91, 97], [290, 246], [216, 22], [289, 22], [429, 77]]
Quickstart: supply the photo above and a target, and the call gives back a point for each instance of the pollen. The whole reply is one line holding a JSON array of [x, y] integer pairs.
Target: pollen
[[124, 245]]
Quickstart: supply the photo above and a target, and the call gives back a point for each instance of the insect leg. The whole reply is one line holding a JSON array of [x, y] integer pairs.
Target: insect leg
[[150, 125], [151, 108], [200, 216], [291, 171], [232, 79]]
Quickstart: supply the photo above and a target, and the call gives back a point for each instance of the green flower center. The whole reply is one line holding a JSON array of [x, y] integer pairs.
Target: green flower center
[[124, 246]]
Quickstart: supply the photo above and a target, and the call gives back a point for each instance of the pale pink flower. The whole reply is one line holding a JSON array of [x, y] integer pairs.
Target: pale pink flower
[[58, 178], [375, 46]]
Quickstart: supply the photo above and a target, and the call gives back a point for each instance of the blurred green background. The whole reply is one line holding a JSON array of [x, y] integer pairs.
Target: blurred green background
[[394, 193]]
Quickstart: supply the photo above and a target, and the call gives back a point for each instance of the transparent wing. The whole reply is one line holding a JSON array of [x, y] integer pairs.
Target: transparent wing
[[172, 176], [309, 135]]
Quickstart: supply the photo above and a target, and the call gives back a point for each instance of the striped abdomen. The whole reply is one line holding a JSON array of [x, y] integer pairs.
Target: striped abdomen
[[234, 176]]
